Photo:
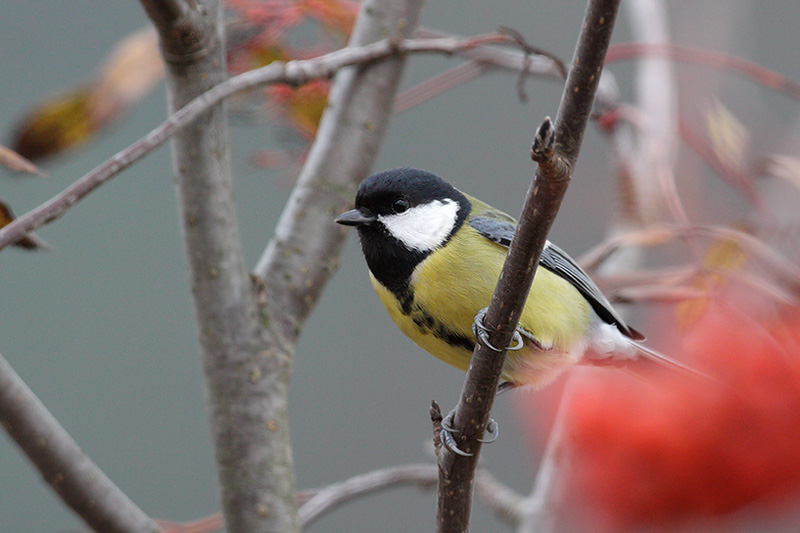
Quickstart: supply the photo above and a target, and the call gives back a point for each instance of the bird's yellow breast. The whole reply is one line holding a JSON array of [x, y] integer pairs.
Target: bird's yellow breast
[[453, 283]]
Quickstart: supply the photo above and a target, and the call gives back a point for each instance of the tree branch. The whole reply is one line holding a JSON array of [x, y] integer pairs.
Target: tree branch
[[180, 25], [76, 479], [292, 72], [542, 202], [246, 383], [647, 154], [305, 249]]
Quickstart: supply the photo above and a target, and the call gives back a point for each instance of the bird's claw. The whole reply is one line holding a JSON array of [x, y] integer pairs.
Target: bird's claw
[[481, 332], [446, 435], [449, 442], [492, 431]]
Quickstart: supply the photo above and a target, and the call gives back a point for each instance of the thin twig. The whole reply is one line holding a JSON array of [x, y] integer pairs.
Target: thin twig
[[422, 475], [540, 508], [502, 500], [544, 198]]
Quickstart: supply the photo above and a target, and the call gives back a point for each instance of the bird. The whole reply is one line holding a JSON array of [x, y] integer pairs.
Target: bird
[[434, 256]]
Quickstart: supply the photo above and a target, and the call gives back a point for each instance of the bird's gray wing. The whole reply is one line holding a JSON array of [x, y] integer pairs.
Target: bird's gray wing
[[557, 261], [499, 231]]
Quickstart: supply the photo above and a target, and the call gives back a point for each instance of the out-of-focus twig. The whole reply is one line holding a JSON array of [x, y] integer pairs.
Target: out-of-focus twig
[[784, 271], [708, 58]]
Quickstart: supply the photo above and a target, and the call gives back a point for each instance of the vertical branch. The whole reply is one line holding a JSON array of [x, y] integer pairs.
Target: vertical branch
[[541, 512], [304, 251], [646, 154], [76, 479], [541, 205], [246, 383]]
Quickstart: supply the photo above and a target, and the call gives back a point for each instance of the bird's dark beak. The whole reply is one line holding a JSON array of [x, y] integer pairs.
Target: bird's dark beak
[[355, 217]]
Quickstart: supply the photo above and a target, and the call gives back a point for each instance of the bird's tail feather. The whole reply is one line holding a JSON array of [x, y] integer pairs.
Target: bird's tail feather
[[670, 363]]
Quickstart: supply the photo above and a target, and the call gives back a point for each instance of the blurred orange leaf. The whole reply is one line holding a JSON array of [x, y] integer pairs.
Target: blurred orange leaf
[[303, 106], [11, 159], [30, 241]]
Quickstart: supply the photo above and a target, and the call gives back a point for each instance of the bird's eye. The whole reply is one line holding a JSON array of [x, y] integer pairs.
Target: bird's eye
[[400, 205]]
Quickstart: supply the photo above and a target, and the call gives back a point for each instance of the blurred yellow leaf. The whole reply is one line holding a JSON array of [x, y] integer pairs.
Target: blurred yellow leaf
[[11, 159], [59, 123], [723, 256], [72, 118], [728, 136], [258, 55]]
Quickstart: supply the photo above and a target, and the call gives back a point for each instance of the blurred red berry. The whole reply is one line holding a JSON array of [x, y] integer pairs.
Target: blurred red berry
[[680, 451]]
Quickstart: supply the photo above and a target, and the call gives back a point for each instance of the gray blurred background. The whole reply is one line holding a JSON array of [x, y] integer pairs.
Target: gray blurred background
[[101, 328]]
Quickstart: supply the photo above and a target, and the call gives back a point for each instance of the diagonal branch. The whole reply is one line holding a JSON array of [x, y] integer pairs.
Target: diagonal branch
[[76, 479], [306, 246], [542, 202], [292, 72]]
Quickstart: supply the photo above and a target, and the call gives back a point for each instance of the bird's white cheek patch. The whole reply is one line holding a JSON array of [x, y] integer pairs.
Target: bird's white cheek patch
[[424, 227]]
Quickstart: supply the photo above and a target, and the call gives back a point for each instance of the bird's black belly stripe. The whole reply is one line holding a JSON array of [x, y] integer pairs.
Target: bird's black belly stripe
[[428, 325]]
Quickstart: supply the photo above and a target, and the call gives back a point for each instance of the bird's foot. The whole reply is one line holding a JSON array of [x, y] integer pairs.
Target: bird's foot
[[482, 333], [449, 442]]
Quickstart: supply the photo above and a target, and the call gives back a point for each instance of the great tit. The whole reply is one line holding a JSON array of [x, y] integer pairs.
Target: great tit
[[434, 256]]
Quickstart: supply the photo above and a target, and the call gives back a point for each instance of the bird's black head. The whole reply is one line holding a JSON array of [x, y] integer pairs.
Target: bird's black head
[[403, 215]]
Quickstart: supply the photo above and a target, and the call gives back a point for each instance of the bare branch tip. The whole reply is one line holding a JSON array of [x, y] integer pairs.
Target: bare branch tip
[[436, 419], [544, 142]]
